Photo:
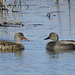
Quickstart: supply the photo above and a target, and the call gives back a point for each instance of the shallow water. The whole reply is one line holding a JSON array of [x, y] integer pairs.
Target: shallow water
[[35, 59]]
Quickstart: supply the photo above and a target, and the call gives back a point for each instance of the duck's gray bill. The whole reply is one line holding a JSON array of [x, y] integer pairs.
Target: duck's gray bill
[[46, 38]]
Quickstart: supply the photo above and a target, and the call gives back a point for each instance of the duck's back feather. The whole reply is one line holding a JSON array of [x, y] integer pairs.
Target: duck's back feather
[[63, 44], [6, 45], [66, 42]]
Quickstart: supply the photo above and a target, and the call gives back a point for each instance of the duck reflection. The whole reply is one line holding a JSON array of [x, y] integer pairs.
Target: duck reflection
[[16, 52], [55, 53]]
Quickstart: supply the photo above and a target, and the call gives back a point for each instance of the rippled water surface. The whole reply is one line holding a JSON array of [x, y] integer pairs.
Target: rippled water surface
[[35, 59]]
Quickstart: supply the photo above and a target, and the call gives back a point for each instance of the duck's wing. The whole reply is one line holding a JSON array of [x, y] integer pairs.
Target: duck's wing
[[6, 45], [67, 42]]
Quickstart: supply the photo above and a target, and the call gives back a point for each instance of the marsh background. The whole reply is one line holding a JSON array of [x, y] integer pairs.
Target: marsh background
[[35, 60]]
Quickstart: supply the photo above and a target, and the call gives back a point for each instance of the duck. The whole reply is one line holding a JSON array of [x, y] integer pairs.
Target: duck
[[57, 44], [17, 45]]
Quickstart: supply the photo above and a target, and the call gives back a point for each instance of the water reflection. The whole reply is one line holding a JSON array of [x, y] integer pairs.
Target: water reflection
[[2, 13], [16, 52], [61, 14], [69, 15], [56, 52], [57, 1], [69, 1]]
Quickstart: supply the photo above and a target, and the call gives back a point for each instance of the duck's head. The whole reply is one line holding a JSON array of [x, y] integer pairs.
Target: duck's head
[[53, 36], [19, 36]]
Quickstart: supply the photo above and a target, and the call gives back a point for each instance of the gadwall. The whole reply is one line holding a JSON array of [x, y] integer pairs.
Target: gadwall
[[58, 45], [6, 45]]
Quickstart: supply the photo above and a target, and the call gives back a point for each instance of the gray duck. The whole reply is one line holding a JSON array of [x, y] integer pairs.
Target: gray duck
[[57, 44], [7, 45]]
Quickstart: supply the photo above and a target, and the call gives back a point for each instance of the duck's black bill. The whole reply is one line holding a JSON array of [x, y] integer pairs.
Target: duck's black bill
[[46, 38]]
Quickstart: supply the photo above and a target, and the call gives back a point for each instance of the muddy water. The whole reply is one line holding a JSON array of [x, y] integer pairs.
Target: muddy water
[[35, 60]]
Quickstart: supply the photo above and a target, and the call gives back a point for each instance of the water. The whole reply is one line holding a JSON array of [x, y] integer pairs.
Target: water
[[35, 59]]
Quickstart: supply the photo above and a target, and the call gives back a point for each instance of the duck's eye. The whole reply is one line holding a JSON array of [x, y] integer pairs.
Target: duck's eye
[[53, 36]]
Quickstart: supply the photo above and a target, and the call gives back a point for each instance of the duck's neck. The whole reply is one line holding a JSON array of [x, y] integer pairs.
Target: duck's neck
[[55, 40], [18, 41]]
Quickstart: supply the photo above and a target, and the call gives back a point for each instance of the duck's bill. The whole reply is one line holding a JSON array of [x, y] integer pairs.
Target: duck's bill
[[46, 38], [25, 39]]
